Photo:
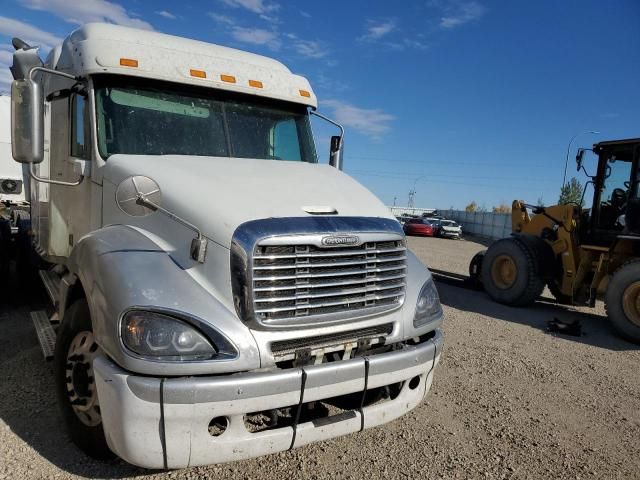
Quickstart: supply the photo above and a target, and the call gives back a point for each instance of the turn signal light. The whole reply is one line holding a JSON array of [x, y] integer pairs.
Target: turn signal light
[[198, 73], [128, 62]]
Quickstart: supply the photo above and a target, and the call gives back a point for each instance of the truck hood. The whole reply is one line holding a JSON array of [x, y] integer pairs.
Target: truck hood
[[217, 194]]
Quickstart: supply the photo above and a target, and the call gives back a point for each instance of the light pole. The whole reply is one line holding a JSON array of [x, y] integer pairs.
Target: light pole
[[412, 192], [566, 162]]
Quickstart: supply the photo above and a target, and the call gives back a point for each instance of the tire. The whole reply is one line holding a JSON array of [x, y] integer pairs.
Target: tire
[[74, 381], [524, 284], [475, 268], [624, 313]]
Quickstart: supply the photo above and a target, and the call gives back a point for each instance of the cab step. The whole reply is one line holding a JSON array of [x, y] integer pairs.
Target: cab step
[[46, 333], [51, 281]]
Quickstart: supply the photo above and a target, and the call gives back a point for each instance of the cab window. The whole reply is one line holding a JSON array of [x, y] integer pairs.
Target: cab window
[[79, 130], [284, 144]]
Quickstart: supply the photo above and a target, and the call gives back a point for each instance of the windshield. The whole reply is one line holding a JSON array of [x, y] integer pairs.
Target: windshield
[[449, 224], [156, 118]]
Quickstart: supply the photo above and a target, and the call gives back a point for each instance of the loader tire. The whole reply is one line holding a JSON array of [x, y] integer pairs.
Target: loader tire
[[510, 274], [622, 301], [75, 381]]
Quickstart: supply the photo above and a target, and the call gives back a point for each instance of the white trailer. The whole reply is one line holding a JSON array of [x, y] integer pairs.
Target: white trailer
[[219, 294]]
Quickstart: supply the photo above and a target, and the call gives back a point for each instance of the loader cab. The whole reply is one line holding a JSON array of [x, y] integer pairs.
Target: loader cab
[[616, 204]]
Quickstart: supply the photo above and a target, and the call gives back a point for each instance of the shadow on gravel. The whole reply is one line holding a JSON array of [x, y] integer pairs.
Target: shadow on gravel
[[596, 329], [27, 397]]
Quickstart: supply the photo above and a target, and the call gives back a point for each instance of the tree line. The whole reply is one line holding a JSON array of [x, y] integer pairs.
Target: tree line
[[570, 193]]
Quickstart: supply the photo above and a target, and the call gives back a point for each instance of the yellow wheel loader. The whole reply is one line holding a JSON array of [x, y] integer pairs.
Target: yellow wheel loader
[[582, 255]]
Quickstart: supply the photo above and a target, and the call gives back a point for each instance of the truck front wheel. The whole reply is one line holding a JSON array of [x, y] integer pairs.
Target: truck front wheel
[[75, 382]]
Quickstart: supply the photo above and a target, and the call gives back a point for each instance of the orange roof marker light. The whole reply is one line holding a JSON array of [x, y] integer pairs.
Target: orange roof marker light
[[255, 83], [228, 78], [304, 93], [198, 73], [128, 62]]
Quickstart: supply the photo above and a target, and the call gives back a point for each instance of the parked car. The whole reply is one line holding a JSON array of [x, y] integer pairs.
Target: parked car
[[448, 229], [420, 227]]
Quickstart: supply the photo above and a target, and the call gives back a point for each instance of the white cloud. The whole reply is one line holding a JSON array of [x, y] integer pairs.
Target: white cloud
[[256, 36], [84, 11], [6, 60], [329, 83], [165, 14], [406, 43], [376, 31], [256, 6], [371, 122], [271, 36], [28, 33], [459, 13], [222, 19], [310, 48], [387, 34], [305, 14]]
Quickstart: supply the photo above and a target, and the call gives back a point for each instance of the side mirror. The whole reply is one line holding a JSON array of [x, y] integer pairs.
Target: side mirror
[[27, 121], [579, 159], [335, 152]]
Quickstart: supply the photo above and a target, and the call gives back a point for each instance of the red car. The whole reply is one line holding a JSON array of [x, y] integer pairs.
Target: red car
[[419, 226]]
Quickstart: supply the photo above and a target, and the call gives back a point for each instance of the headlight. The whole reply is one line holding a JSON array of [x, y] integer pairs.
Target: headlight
[[161, 337], [428, 305]]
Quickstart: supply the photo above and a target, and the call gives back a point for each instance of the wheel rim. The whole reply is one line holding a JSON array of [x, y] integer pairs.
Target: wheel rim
[[81, 386], [631, 303], [504, 272]]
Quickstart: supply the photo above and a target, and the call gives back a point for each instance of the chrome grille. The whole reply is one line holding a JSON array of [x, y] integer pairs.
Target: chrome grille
[[306, 280]]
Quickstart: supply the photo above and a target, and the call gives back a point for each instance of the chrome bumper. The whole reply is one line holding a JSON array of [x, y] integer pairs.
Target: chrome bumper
[[163, 423]]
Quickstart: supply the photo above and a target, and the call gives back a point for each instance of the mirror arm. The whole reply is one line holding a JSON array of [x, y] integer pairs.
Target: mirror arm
[[141, 199], [32, 172], [33, 175], [335, 156], [327, 119], [198, 245], [53, 72]]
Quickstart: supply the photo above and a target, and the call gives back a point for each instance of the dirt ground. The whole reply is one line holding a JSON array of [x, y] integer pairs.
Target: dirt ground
[[509, 400]]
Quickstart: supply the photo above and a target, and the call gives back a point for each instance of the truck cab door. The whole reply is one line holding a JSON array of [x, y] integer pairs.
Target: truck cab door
[[69, 206]]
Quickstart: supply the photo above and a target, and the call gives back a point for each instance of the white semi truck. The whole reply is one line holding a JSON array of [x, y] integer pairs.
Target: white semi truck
[[14, 215], [219, 294]]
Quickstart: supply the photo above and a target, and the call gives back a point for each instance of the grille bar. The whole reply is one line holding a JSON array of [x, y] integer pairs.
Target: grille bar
[[333, 274], [295, 280], [337, 293], [334, 303], [330, 264], [327, 254], [323, 284]]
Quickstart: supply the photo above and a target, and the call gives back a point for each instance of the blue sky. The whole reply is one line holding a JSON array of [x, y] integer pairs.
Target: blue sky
[[474, 99]]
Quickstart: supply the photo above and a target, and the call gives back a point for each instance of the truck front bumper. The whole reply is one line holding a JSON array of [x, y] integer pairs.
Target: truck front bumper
[[164, 422]]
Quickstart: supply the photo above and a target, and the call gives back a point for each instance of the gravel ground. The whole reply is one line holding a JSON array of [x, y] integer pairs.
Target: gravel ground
[[509, 400]]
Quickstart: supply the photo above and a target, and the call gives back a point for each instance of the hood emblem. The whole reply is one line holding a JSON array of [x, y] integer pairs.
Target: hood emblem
[[340, 240]]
